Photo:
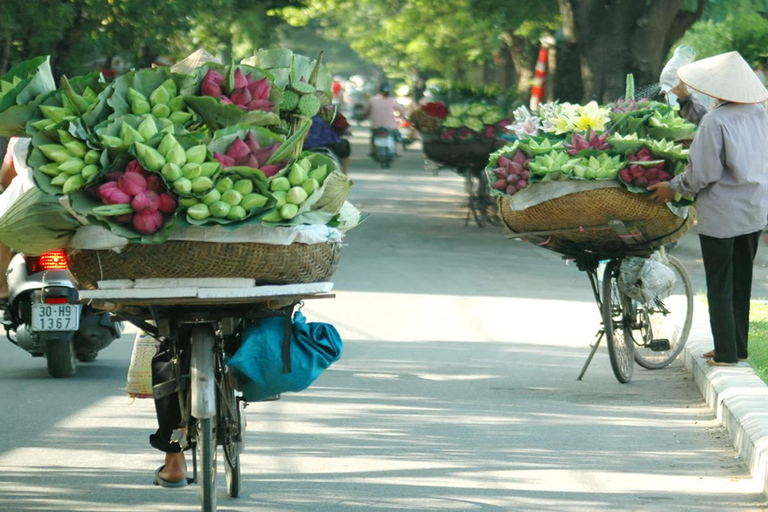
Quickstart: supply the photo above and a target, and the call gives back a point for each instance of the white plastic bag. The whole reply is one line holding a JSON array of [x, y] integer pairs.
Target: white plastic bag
[[646, 280], [668, 79]]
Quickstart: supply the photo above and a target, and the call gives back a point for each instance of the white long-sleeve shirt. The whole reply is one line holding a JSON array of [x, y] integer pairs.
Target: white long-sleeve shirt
[[728, 169]]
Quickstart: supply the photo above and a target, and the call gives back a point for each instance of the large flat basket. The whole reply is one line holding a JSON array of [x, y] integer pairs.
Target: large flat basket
[[267, 264], [586, 221]]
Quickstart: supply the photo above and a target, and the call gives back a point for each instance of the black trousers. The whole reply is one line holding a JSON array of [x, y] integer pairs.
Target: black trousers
[[728, 265], [167, 408]]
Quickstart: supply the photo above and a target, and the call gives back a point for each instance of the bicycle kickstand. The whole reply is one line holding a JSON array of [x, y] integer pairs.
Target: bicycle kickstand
[[600, 335]]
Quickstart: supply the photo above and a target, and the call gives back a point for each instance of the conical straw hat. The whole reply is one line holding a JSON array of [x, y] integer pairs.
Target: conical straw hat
[[726, 77], [193, 61]]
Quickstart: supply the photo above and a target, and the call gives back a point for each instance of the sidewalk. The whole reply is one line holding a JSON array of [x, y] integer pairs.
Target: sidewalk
[[737, 397]]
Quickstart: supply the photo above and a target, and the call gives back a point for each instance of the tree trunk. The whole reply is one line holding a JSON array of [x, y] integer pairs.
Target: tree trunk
[[524, 59], [505, 68], [566, 79], [616, 37]]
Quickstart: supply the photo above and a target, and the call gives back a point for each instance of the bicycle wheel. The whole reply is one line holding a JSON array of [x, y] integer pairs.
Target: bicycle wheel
[[616, 307], [231, 432], [661, 330], [206, 449], [489, 207]]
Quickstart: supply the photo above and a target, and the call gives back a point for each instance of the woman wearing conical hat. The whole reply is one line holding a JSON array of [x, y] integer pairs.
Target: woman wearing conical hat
[[728, 174]]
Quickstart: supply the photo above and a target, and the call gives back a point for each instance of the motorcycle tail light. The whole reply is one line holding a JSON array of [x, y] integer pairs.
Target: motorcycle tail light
[[55, 300], [54, 260]]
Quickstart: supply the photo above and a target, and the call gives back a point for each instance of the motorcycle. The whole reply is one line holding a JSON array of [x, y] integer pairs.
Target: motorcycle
[[43, 312], [384, 141]]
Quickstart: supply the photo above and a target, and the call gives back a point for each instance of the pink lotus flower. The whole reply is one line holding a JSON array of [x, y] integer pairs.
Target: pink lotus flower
[[224, 160], [240, 80], [209, 88], [238, 149], [251, 142], [264, 105], [214, 77], [272, 169], [240, 97], [225, 100], [260, 89]]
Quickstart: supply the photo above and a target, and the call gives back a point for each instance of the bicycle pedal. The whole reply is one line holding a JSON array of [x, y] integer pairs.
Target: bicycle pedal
[[661, 345]]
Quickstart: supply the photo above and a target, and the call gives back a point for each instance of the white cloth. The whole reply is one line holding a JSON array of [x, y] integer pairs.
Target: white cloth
[[18, 147]]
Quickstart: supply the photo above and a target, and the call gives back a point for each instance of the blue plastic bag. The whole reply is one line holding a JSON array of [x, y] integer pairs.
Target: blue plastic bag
[[260, 364]]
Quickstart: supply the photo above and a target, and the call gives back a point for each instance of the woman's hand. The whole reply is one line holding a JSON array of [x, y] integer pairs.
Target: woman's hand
[[661, 192], [681, 91]]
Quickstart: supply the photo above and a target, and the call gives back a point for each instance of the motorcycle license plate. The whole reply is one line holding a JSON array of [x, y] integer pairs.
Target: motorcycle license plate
[[55, 317], [382, 141]]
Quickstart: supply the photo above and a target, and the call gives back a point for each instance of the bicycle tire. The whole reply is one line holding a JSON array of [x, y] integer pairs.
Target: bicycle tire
[[232, 430], [659, 324], [615, 322], [206, 446]]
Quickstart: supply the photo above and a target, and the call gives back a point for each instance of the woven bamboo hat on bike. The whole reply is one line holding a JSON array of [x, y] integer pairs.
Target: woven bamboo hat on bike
[[726, 77]]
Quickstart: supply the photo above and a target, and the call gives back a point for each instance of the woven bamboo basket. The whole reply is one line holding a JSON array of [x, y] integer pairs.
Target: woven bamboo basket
[[267, 264], [470, 154], [583, 217]]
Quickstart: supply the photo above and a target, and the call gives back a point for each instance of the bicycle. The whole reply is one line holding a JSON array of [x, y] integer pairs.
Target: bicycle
[[650, 334], [212, 409]]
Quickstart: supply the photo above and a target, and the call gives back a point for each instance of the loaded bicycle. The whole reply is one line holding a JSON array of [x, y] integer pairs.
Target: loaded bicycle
[[468, 161], [209, 324], [651, 333]]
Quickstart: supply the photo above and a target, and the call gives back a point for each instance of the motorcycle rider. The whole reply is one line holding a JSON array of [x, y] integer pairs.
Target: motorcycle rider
[[381, 112], [7, 174]]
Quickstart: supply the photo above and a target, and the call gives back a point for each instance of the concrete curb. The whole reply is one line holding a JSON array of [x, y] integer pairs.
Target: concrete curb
[[737, 397]]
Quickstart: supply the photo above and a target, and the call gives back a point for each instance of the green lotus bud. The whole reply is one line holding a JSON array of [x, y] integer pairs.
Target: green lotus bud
[[237, 213], [280, 184], [188, 202], [89, 171], [161, 111], [160, 96], [51, 169], [140, 107], [167, 143], [44, 124], [198, 211], [297, 175], [55, 152], [296, 195], [147, 128], [191, 171], [111, 141], [92, 157], [319, 173], [310, 186], [201, 184], [56, 114], [244, 187], [176, 155], [72, 166], [211, 197], [209, 169], [305, 164], [273, 216], [150, 158], [60, 179], [224, 184], [197, 154], [180, 118], [176, 104], [251, 201], [182, 186], [170, 86], [134, 95], [76, 148], [220, 209], [130, 135], [171, 172], [64, 137], [289, 211], [72, 184], [232, 197], [279, 198]]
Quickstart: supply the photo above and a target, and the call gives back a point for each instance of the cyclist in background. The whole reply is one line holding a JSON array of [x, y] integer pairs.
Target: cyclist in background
[[381, 112]]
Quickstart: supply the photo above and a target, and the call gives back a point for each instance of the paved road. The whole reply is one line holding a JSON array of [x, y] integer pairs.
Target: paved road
[[456, 392]]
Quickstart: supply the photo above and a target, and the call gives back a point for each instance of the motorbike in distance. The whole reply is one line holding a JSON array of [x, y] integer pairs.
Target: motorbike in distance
[[384, 151], [46, 319]]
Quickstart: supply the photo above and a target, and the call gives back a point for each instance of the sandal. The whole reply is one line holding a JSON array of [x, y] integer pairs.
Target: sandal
[[708, 355], [712, 362]]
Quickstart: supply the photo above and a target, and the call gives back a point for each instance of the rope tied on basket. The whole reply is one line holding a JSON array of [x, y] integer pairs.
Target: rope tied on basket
[[545, 242]]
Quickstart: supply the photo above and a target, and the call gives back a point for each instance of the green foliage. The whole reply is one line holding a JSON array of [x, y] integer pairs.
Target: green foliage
[[758, 338], [745, 32]]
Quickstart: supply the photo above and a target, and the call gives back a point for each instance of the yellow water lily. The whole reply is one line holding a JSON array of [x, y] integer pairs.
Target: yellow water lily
[[591, 117], [559, 125]]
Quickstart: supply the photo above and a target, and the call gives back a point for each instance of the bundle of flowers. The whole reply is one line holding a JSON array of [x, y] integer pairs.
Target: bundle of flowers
[[159, 148], [460, 122], [637, 143]]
